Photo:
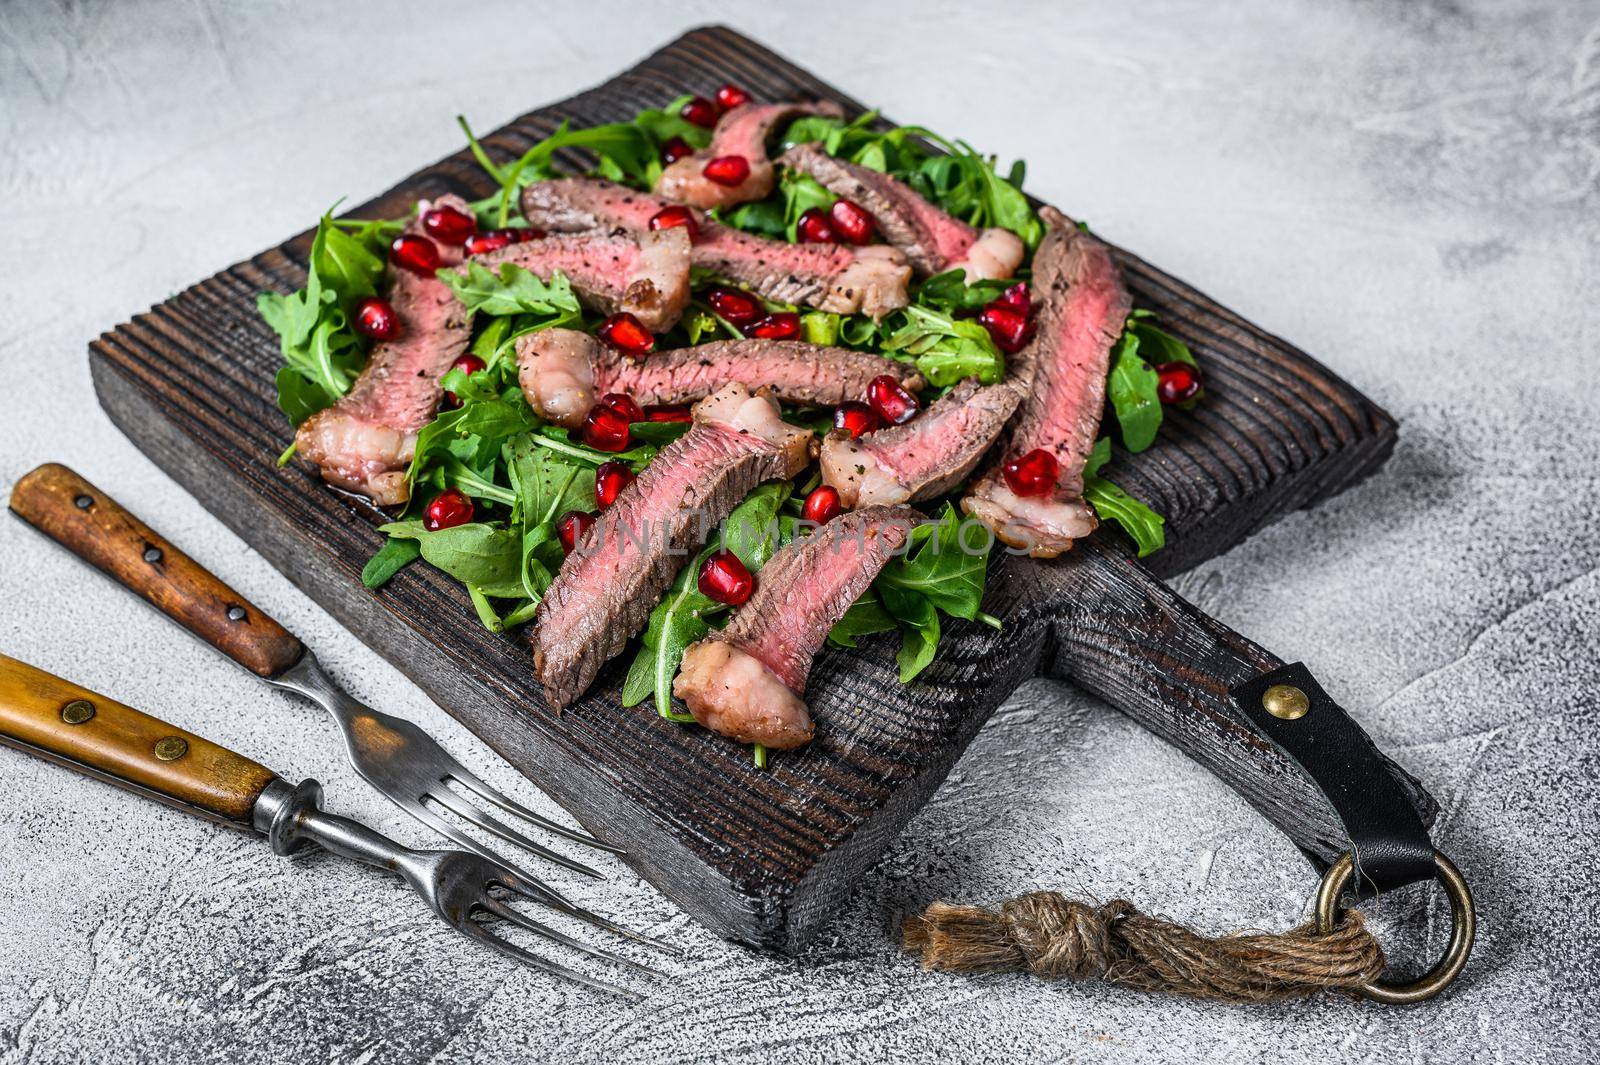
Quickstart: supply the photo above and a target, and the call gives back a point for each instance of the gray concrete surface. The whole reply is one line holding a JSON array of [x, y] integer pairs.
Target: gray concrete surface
[[1408, 190]]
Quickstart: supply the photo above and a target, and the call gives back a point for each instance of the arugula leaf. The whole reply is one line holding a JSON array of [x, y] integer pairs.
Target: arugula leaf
[[546, 487], [865, 617], [1132, 388], [476, 553], [1145, 526], [394, 556], [514, 290], [939, 573], [946, 349]]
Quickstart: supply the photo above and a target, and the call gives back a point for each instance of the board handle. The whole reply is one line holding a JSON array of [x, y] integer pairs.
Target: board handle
[[97, 529], [100, 737], [1121, 633]]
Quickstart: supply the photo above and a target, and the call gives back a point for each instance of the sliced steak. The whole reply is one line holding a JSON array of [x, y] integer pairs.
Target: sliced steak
[[829, 277], [746, 681], [933, 240], [645, 274], [1082, 308], [925, 457], [743, 132], [606, 589], [562, 371], [365, 441]]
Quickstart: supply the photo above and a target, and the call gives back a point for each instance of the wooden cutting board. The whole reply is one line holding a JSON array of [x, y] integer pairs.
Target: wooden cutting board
[[764, 856]]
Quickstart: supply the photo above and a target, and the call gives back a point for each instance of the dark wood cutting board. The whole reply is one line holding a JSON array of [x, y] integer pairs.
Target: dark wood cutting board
[[764, 856]]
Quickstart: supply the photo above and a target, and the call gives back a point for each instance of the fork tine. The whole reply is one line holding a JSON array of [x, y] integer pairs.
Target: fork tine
[[516, 880], [522, 920], [465, 810], [461, 839], [482, 935], [466, 777]]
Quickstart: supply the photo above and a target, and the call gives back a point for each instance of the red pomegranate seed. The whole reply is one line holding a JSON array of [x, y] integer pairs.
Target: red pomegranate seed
[[672, 217], [821, 506], [604, 429], [724, 578], [890, 401], [1010, 329], [727, 170], [852, 222], [624, 405], [673, 149], [417, 254], [375, 318], [735, 306], [700, 112], [1018, 298], [858, 418], [731, 96], [609, 479], [784, 325], [572, 527], [484, 243], [625, 333], [1033, 474], [469, 363], [448, 225], [527, 233], [669, 412], [813, 227], [1177, 382], [448, 509]]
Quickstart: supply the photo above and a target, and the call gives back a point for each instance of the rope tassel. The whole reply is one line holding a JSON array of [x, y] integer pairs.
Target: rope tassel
[[1055, 937]]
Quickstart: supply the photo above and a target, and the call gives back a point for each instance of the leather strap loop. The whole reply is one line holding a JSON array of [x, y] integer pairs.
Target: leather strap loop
[[1387, 837]]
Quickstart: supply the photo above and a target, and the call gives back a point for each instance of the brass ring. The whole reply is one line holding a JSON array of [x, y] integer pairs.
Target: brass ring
[[1463, 930]]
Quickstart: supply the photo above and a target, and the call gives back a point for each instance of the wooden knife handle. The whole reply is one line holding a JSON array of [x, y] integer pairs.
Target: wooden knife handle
[[97, 529], [43, 714]]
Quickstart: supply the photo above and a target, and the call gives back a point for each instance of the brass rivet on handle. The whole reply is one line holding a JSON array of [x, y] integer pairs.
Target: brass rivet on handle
[[1285, 701], [169, 748], [77, 712]]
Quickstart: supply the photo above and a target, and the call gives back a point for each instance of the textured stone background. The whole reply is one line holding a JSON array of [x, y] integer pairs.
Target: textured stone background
[[1408, 190]]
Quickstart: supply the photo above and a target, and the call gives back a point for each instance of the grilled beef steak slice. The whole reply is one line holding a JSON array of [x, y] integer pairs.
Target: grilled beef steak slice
[[1082, 308], [829, 277], [562, 371], [925, 457], [365, 441], [607, 587], [645, 274], [741, 132], [746, 681], [933, 240]]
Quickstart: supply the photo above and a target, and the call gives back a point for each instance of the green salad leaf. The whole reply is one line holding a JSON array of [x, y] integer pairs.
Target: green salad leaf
[[515, 290]]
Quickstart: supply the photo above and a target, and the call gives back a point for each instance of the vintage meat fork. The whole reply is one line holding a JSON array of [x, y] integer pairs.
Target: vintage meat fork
[[44, 715], [393, 755]]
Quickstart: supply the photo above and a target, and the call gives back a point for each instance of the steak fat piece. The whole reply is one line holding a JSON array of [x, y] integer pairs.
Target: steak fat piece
[[741, 133], [747, 680], [604, 592]]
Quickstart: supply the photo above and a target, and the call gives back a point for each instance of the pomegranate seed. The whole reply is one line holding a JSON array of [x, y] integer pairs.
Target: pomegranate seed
[[448, 509], [724, 578], [727, 170], [417, 254], [609, 479], [469, 363], [784, 325], [700, 112], [813, 227], [852, 222], [1010, 329], [890, 401], [821, 506], [1033, 474], [624, 405], [448, 225], [572, 527], [669, 412], [735, 306], [673, 149], [1177, 382], [858, 418], [625, 333], [375, 318], [527, 233], [731, 96], [484, 243], [604, 429], [672, 217], [1018, 298]]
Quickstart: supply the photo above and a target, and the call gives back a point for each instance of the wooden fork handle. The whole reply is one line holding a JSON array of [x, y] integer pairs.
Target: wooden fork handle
[[45, 715], [97, 529]]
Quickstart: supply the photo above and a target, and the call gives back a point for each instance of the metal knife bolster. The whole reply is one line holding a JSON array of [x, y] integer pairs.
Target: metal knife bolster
[[291, 816]]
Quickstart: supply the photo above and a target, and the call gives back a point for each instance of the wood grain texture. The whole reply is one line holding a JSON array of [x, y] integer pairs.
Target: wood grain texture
[[764, 856], [45, 714], [96, 528]]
